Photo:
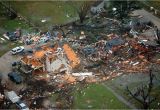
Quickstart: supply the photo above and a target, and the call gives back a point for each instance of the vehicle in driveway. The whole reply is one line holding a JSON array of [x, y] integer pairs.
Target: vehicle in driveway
[[21, 105], [17, 50], [15, 77]]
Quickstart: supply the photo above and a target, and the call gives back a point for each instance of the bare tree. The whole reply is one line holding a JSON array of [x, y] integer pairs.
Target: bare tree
[[143, 93], [83, 10]]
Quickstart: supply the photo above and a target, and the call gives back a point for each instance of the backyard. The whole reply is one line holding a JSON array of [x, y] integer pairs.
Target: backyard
[[96, 96], [54, 12]]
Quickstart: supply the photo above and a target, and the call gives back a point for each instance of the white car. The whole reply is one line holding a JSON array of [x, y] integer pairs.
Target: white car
[[43, 40], [17, 50]]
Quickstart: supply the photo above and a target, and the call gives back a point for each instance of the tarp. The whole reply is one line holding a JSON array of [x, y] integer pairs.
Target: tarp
[[89, 50], [113, 42]]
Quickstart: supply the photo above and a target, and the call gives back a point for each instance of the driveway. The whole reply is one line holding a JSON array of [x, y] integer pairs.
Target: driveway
[[149, 16], [5, 67]]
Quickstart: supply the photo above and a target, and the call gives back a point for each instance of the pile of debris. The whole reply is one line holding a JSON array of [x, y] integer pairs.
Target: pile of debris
[[119, 55], [110, 56], [36, 38]]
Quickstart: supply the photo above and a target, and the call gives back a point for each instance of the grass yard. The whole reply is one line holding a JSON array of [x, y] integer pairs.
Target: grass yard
[[12, 25], [96, 96], [119, 85], [154, 3], [55, 12], [155, 93]]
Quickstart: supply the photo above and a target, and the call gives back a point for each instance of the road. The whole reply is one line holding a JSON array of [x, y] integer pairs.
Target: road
[[148, 16]]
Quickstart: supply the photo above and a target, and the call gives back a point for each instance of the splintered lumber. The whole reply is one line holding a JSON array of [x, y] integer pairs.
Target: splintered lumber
[[71, 55]]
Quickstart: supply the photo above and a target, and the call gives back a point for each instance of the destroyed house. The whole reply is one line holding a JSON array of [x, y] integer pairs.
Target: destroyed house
[[51, 59], [37, 60], [113, 42], [89, 50], [71, 55]]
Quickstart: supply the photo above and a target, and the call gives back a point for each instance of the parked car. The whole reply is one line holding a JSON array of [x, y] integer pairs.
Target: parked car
[[21, 105], [43, 40], [17, 50], [15, 77], [11, 36]]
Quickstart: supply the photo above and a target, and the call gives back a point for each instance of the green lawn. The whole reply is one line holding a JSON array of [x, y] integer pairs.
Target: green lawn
[[119, 85], [154, 3], [96, 96], [12, 25], [155, 93], [55, 12]]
